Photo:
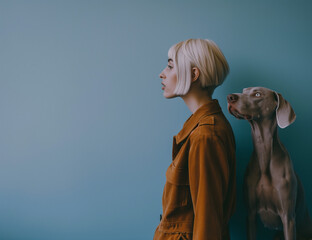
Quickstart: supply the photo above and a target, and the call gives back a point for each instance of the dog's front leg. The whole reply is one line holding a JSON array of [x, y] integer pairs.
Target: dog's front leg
[[287, 192], [250, 198], [289, 225], [251, 179], [251, 224]]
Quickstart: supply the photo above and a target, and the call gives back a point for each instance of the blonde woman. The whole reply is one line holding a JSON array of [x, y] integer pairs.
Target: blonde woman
[[199, 193]]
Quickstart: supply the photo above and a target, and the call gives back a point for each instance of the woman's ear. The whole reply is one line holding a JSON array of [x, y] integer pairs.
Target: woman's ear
[[195, 74]]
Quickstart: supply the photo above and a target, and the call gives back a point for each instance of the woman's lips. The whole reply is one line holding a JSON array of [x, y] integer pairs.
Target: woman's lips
[[163, 87]]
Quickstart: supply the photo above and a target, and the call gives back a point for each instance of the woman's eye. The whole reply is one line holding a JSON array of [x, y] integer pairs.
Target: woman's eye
[[170, 67], [258, 94]]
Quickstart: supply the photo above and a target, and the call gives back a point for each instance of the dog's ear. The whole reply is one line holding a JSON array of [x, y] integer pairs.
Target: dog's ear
[[285, 115]]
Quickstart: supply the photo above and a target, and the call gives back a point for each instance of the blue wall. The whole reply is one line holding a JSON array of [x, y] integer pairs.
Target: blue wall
[[85, 133]]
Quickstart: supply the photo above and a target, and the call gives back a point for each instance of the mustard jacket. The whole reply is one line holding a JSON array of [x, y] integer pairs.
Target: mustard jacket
[[200, 190]]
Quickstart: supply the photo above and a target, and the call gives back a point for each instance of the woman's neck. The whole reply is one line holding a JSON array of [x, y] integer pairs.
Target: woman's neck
[[196, 100]]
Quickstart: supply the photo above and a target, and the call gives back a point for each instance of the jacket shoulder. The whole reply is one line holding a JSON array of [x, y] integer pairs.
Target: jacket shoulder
[[212, 127], [207, 120]]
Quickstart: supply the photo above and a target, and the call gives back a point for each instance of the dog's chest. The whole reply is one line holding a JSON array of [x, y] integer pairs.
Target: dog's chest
[[265, 192], [267, 204]]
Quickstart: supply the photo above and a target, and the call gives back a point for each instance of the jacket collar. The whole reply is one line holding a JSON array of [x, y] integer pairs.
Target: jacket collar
[[191, 123]]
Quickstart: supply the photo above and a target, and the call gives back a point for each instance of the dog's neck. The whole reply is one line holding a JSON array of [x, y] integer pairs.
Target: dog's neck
[[266, 141]]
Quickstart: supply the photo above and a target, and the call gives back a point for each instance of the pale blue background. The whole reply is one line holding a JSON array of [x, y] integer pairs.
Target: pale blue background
[[85, 133]]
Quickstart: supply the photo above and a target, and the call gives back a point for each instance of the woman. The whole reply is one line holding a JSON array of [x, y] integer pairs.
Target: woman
[[199, 194]]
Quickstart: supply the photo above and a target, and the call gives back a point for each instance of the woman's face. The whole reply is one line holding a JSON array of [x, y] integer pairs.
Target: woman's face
[[169, 79]]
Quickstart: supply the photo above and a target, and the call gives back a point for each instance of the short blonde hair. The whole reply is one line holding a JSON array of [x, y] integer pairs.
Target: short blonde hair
[[203, 54]]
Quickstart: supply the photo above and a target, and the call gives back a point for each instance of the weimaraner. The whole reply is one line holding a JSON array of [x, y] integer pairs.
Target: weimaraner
[[271, 187]]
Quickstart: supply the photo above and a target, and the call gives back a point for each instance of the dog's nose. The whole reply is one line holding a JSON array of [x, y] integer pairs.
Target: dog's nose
[[232, 98]]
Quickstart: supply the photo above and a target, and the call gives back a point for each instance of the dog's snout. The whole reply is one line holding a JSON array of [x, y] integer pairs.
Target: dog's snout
[[232, 98]]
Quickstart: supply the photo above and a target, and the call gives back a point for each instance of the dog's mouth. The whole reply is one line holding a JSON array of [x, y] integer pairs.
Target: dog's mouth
[[237, 114]]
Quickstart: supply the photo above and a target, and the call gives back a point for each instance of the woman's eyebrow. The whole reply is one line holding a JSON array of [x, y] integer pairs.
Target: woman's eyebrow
[[170, 60]]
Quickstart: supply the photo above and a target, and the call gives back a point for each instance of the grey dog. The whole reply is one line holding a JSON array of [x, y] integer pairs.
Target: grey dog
[[271, 187]]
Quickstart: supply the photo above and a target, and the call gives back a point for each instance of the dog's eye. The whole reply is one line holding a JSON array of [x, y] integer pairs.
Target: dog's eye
[[258, 94]]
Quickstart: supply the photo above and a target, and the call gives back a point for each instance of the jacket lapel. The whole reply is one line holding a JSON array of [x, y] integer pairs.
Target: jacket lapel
[[192, 122]]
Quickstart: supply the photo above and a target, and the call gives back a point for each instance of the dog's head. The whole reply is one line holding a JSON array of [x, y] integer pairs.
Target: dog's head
[[256, 103]]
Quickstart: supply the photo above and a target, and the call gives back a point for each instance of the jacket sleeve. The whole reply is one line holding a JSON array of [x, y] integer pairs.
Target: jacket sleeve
[[208, 179]]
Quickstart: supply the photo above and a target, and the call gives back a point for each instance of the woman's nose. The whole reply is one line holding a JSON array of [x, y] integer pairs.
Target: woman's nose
[[161, 75]]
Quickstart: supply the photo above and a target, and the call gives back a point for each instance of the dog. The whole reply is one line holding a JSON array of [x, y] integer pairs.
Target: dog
[[272, 189]]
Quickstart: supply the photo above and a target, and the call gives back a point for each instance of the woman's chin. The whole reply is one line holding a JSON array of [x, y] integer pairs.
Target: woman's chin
[[168, 95]]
